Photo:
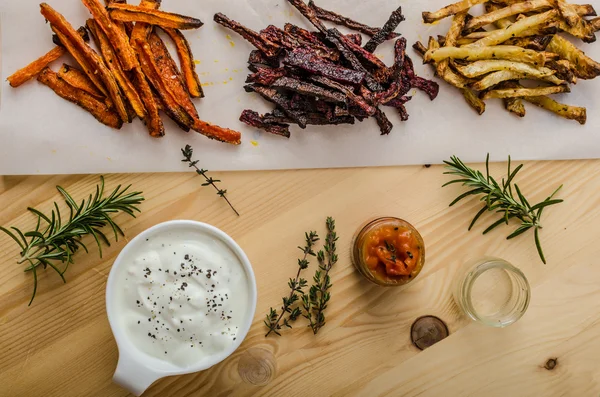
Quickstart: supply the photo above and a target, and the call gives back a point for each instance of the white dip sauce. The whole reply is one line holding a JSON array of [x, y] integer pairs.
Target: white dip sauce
[[181, 296]]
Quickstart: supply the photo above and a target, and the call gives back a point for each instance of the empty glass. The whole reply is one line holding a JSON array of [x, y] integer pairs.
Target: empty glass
[[492, 292]]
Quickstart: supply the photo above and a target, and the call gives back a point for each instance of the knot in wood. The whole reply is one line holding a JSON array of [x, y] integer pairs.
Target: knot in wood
[[257, 366]]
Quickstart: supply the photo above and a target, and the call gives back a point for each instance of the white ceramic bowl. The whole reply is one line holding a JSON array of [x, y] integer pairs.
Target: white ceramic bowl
[[136, 370]]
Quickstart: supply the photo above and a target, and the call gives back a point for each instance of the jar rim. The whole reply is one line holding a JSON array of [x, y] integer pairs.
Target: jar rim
[[476, 271]]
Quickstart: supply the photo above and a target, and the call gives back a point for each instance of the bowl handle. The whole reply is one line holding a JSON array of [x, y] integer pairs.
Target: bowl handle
[[133, 376]]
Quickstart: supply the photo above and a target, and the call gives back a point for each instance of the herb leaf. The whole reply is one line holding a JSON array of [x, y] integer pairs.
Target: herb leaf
[[61, 239], [296, 285], [316, 301], [500, 197], [187, 157]]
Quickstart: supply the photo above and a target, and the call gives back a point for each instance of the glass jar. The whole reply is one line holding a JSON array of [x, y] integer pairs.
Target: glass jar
[[388, 251], [492, 291]]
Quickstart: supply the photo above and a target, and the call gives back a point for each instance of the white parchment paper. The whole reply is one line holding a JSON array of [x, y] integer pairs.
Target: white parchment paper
[[41, 133]]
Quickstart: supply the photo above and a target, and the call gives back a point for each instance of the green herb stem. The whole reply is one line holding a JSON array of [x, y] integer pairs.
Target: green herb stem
[[500, 197], [273, 320], [59, 240], [187, 157], [318, 296]]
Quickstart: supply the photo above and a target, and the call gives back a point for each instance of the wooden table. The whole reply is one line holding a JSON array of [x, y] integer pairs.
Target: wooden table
[[62, 344]]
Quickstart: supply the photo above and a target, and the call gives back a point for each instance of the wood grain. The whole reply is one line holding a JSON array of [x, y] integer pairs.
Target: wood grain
[[62, 345]]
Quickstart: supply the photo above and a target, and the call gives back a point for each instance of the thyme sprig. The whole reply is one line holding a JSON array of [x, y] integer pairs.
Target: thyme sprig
[[273, 319], [187, 158], [315, 302], [61, 238], [500, 197]]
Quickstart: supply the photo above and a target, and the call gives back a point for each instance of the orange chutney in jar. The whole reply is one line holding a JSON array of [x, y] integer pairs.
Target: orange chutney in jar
[[389, 251]]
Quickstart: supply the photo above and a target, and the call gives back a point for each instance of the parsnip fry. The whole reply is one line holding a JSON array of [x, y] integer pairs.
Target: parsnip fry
[[584, 10], [81, 98], [472, 99], [514, 9], [579, 27], [479, 68], [585, 67], [80, 80], [568, 112], [499, 23], [117, 37], [494, 78], [525, 92], [511, 53], [104, 44], [513, 105], [30, 71], [538, 43], [548, 28], [452, 9], [516, 29], [458, 23], [186, 59], [131, 13], [93, 65]]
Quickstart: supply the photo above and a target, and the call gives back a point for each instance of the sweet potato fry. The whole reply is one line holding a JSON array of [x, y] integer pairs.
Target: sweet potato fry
[[186, 59], [173, 83], [34, 68], [81, 98], [585, 67], [117, 37], [152, 72], [30, 71], [525, 92], [81, 60], [142, 30], [90, 61], [152, 105], [150, 99], [80, 80], [131, 13], [103, 43], [127, 27]]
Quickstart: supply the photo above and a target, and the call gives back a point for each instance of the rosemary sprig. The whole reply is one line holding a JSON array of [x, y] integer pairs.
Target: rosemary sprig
[[318, 296], [59, 240], [187, 158], [499, 197], [273, 319]]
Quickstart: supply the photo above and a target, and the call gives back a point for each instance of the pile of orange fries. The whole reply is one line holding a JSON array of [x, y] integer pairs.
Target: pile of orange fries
[[132, 74]]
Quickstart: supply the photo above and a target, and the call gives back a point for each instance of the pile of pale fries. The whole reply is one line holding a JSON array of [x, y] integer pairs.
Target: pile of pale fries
[[515, 42], [132, 73]]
